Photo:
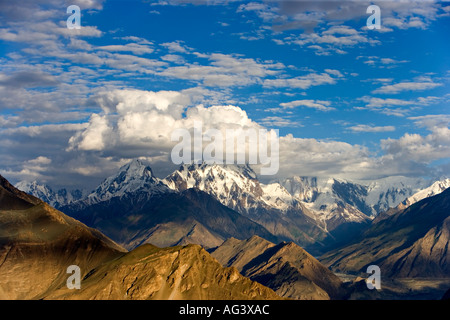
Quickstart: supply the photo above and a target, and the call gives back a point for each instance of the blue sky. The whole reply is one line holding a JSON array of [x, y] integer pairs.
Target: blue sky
[[348, 102]]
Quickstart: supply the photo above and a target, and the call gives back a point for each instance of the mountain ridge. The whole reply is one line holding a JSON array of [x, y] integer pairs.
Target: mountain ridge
[[38, 243], [318, 214], [412, 242], [285, 267]]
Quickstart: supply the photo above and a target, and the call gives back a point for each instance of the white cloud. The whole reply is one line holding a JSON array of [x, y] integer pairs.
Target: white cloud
[[398, 107], [422, 149], [94, 136], [176, 46], [367, 128], [129, 47], [174, 58], [53, 129], [418, 85], [432, 121], [395, 14], [334, 39], [301, 82], [314, 104], [383, 62], [279, 122], [333, 72], [144, 119], [40, 161], [30, 169], [224, 70]]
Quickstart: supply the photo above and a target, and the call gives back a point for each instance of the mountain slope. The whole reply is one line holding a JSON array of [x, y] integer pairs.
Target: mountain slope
[[38, 243], [286, 268], [168, 219], [14, 199], [411, 243], [238, 188], [176, 273]]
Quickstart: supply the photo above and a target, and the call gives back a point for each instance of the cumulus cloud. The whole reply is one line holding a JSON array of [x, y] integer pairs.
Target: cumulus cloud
[[140, 123], [146, 119], [422, 149]]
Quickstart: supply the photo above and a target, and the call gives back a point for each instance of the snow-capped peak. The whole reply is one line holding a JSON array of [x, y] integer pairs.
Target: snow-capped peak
[[235, 186], [436, 188], [56, 199], [40, 191], [131, 177]]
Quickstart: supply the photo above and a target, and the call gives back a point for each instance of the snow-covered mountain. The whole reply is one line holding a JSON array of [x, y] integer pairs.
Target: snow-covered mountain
[[332, 201], [303, 209], [131, 178], [56, 199], [436, 188], [387, 193], [352, 201], [134, 179], [236, 187]]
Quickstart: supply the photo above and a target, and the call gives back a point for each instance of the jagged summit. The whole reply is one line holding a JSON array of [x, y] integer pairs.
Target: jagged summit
[[243, 169], [136, 168], [44, 192], [132, 177]]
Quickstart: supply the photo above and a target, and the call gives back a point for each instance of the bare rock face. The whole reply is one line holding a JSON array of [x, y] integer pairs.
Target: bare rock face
[[427, 256], [180, 272], [286, 268]]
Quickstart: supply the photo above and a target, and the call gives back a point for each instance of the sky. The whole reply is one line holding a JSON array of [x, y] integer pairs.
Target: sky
[[348, 101]]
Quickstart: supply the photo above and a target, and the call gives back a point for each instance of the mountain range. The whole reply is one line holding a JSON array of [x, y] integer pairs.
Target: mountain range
[[318, 214], [286, 268], [38, 243], [409, 243], [158, 219]]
